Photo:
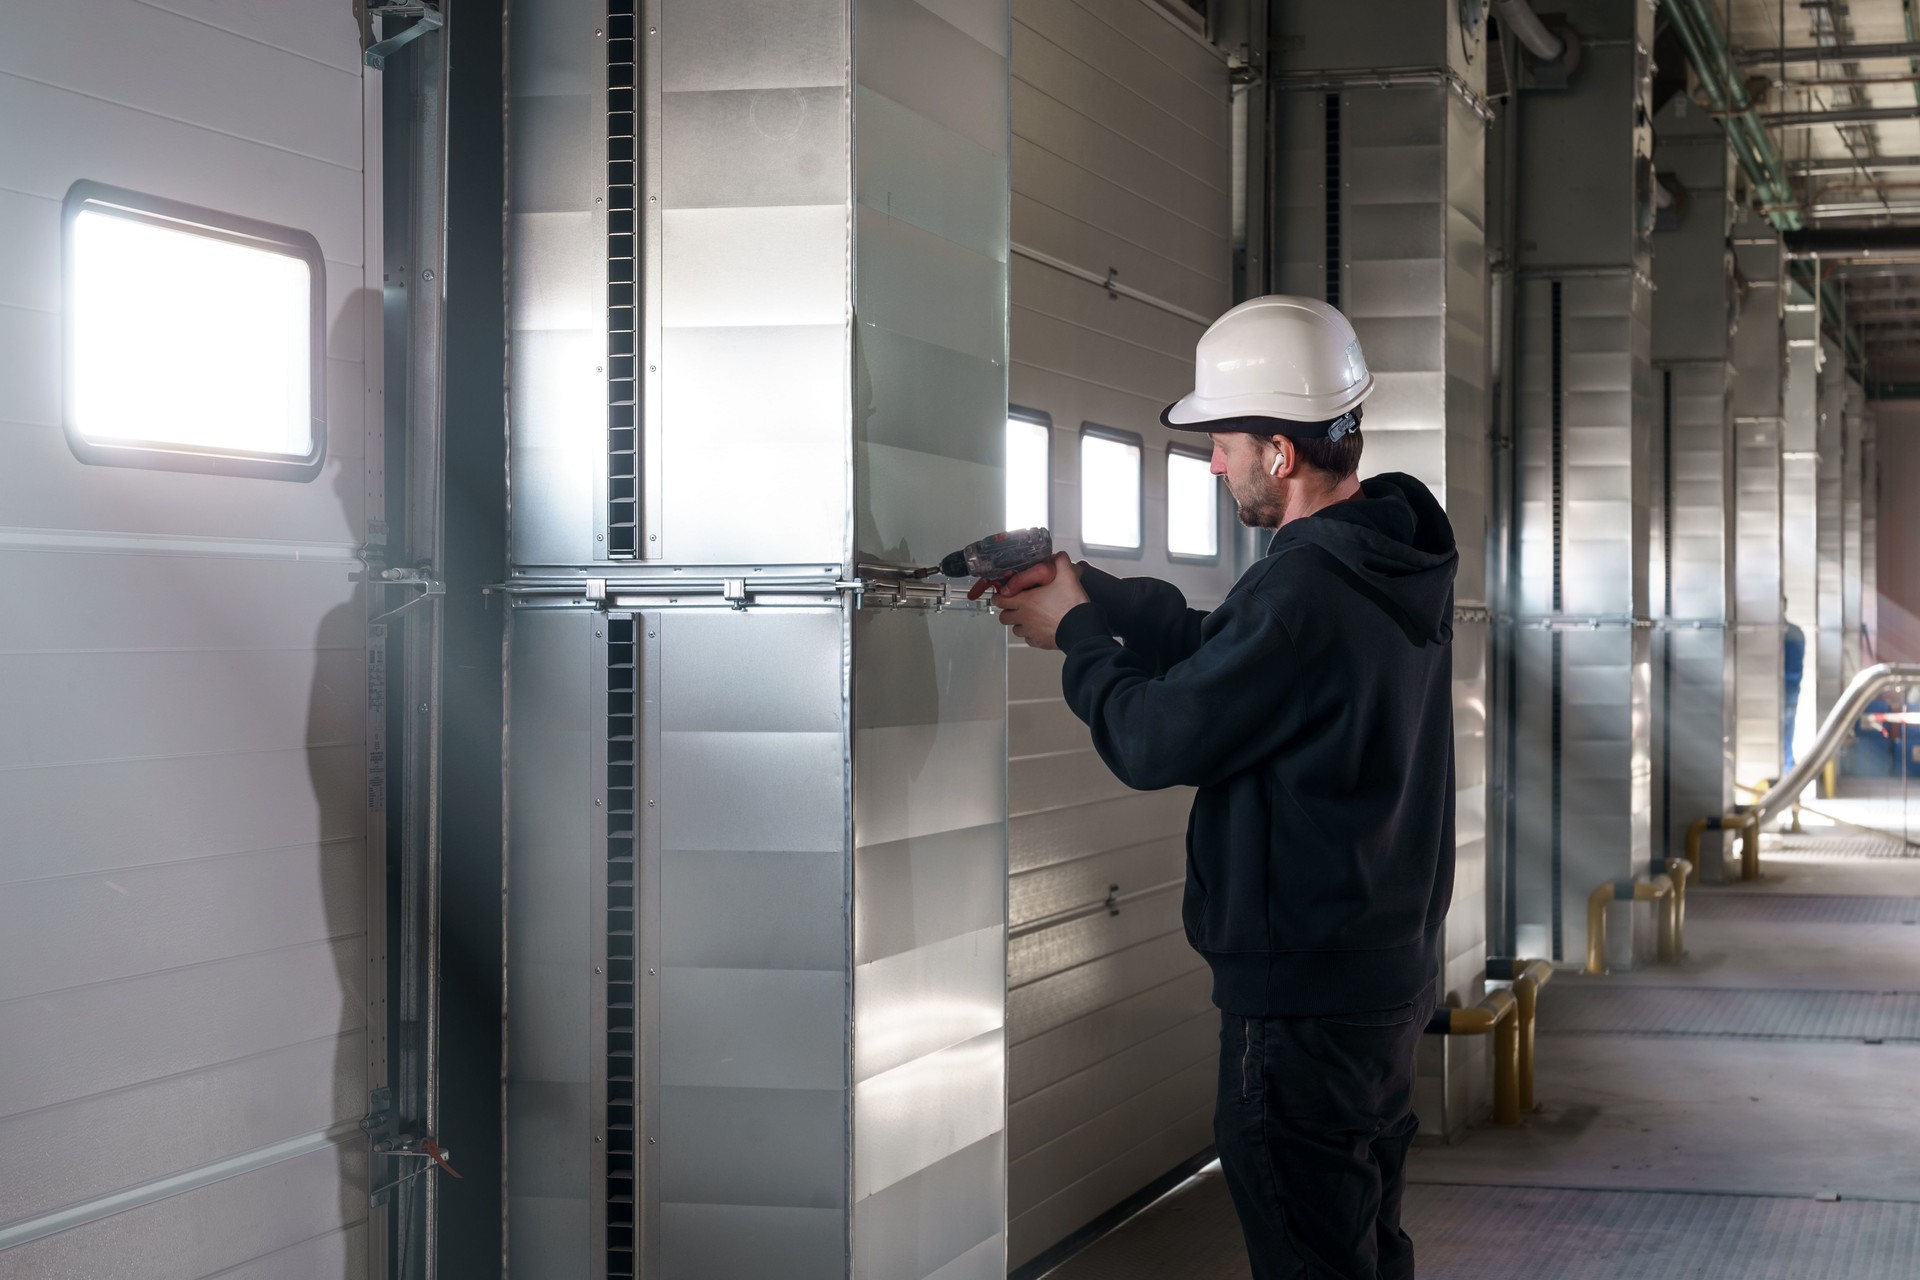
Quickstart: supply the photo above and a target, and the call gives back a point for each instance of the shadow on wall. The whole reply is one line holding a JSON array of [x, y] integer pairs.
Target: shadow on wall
[[336, 717]]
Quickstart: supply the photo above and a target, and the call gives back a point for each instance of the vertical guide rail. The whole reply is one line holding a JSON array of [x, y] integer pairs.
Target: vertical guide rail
[[417, 1098]]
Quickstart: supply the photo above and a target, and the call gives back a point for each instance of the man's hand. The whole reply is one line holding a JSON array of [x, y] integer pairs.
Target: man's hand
[[1034, 600]]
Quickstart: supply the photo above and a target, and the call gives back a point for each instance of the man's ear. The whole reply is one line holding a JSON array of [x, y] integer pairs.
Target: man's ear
[[1285, 458]]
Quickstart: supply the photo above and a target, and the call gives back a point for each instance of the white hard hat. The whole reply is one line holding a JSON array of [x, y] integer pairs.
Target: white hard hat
[[1294, 359]]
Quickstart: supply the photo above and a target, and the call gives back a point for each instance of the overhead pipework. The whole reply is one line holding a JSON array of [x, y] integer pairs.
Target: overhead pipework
[[1834, 731], [1713, 62], [1518, 18]]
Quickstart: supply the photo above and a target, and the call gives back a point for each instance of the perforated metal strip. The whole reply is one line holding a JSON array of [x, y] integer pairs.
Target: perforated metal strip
[[623, 435], [622, 993]]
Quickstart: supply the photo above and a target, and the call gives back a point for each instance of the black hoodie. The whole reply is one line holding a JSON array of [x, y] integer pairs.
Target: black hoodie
[[1313, 710]]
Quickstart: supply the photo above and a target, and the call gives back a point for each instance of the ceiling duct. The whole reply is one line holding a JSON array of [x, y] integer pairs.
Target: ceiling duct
[[1854, 242]]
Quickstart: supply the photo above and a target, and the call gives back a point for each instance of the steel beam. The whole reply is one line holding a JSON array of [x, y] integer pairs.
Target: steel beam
[[1826, 53], [1843, 115]]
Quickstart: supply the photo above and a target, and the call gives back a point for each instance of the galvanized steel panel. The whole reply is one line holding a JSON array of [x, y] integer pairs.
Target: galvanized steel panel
[[551, 869]]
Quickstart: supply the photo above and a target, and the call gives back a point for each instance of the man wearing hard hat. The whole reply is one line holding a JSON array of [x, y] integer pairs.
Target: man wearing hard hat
[[1313, 710]]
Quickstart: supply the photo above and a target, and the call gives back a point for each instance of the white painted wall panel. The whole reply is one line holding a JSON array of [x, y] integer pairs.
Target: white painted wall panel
[[184, 907]]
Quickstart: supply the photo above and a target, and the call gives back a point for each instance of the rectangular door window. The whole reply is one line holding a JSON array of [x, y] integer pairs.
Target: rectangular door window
[[1193, 506], [1110, 490], [195, 340], [1029, 474]]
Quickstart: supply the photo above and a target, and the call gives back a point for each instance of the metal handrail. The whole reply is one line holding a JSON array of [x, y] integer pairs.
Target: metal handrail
[[1833, 732], [1526, 977], [1497, 1013], [1747, 824], [1670, 889]]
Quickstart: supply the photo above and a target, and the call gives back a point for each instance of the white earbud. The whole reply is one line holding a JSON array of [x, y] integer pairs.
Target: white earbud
[[1278, 458]]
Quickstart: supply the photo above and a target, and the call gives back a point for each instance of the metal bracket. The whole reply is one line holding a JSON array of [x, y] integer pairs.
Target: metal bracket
[[423, 579], [379, 1118], [426, 18], [734, 592], [1113, 899], [1113, 275]]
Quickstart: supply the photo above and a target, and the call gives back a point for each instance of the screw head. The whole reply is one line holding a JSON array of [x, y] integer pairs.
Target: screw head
[[427, 274]]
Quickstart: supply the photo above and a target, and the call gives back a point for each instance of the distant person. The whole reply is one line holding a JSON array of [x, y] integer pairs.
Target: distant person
[[1314, 711], [1795, 661]]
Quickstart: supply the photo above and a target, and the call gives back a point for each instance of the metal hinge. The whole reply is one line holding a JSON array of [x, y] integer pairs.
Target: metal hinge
[[420, 579], [383, 1140], [375, 53]]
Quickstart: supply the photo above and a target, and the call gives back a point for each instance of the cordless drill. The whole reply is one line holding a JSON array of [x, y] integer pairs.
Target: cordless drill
[[995, 558]]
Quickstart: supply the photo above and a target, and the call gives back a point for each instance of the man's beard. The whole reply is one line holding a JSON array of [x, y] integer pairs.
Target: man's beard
[[1257, 510]]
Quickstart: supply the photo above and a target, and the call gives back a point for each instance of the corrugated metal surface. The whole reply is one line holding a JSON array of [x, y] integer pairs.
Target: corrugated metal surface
[[929, 729], [1826, 665], [1585, 411], [1759, 386], [1854, 433], [1122, 162], [1799, 479], [1691, 542], [184, 900], [758, 920]]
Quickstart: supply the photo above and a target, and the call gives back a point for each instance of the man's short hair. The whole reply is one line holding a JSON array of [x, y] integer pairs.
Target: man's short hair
[[1339, 458]]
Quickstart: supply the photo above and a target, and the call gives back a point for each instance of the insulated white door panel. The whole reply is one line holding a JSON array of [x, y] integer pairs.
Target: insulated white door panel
[[1092, 1145], [166, 1123], [305, 30], [61, 708], [1136, 217], [43, 487], [289, 103], [167, 917], [246, 598], [132, 813], [188, 1017], [234, 1226], [1077, 830], [1133, 367], [1046, 1114], [1133, 51], [74, 133], [1113, 1180]]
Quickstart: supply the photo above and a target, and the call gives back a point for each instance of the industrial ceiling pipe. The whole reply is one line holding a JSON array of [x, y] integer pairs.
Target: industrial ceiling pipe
[[1698, 30], [1852, 242], [1519, 18], [1838, 115], [1826, 53]]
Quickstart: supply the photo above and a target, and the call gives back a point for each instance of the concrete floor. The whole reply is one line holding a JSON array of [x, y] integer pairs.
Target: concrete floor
[[1657, 1156]]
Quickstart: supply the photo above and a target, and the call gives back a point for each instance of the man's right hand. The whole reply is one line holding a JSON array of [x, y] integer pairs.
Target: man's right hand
[[1038, 575]]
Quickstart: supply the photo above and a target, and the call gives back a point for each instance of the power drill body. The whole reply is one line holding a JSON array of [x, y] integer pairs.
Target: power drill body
[[996, 558]]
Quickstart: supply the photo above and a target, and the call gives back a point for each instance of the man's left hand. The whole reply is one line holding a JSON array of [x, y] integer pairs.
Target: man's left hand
[[1033, 601]]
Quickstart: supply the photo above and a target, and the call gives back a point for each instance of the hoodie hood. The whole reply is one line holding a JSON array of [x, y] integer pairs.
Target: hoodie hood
[[1395, 545]]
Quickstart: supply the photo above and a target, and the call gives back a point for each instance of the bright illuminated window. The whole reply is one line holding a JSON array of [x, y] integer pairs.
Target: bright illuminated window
[[1029, 445], [194, 340], [1193, 506], [1109, 490]]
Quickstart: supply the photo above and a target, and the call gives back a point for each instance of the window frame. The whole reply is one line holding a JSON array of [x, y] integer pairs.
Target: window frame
[[1039, 418], [86, 195], [1219, 541], [1104, 550]]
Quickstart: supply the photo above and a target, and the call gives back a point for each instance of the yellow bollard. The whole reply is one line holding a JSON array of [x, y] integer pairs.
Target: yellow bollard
[[1498, 1013], [1526, 998], [1678, 870]]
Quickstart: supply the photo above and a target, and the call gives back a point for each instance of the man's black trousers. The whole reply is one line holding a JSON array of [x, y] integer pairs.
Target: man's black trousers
[[1313, 1124]]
